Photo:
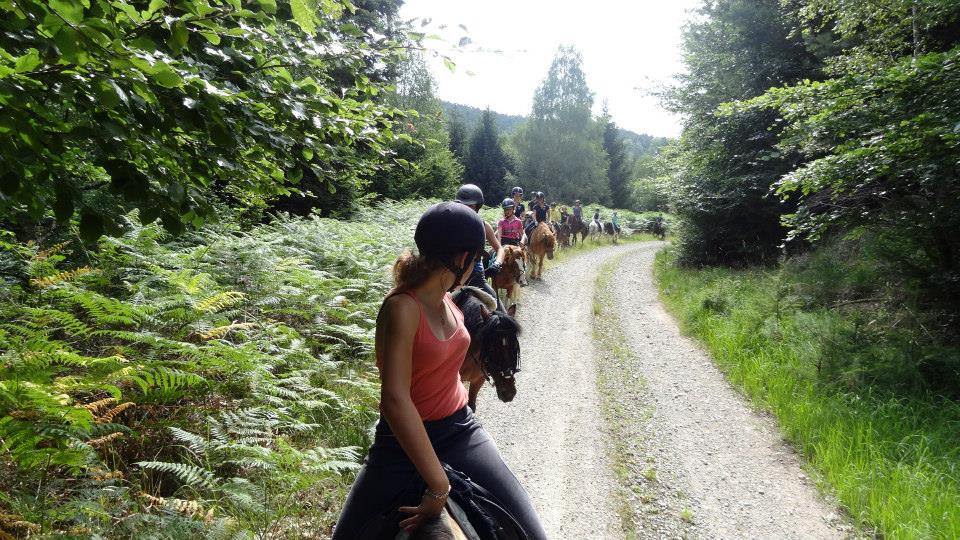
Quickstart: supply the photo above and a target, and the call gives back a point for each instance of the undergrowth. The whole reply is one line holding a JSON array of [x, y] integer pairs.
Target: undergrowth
[[219, 384], [845, 366]]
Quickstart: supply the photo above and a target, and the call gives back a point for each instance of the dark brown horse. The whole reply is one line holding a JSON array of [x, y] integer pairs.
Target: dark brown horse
[[577, 227], [494, 353], [562, 230]]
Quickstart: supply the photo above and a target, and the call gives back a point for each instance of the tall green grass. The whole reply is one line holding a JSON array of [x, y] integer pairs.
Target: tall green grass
[[890, 455]]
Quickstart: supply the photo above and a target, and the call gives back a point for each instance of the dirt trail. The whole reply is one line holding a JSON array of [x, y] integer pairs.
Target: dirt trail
[[722, 469]]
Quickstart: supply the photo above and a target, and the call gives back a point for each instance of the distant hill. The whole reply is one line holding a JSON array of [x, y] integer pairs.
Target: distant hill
[[507, 124], [637, 144]]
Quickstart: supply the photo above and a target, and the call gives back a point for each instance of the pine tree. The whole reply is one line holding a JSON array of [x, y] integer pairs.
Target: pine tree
[[487, 164], [459, 139], [618, 169]]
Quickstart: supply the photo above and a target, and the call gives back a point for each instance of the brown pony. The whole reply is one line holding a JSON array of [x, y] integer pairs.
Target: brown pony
[[542, 242], [562, 230], [512, 273], [577, 227], [494, 353]]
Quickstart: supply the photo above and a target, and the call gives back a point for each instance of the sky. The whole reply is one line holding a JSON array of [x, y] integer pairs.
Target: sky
[[629, 48]]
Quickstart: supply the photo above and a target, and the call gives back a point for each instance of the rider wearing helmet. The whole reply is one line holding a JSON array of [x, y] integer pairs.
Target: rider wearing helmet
[[421, 343], [510, 228], [541, 213], [517, 194], [577, 211], [472, 196]]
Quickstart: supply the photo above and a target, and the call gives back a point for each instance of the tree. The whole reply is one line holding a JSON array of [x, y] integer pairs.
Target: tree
[[618, 170], [430, 168], [110, 106], [487, 164], [560, 147], [879, 142], [724, 166], [648, 190], [459, 138]]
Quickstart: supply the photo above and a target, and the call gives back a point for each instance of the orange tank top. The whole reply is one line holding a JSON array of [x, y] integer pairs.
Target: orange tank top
[[435, 385]]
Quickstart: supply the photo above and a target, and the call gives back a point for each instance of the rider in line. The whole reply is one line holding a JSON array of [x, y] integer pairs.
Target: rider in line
[[420, 344], [596, 218], [577, 211], [615, 219], [472, 196], [517, 194], [540, 212], [555, 210], [510, 228]]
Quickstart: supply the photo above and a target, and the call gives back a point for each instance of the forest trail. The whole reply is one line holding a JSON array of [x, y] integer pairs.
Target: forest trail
[[701, 463]]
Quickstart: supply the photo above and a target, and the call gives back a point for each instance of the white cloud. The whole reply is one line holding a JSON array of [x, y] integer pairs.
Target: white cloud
[[628, 48]]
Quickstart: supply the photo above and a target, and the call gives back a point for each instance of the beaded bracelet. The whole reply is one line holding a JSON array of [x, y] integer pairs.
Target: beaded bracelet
[[437, 496]]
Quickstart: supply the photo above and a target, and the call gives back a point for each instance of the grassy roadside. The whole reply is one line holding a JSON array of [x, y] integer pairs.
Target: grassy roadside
[[892, 461]]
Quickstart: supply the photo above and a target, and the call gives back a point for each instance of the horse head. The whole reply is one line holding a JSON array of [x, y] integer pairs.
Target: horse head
[[494, 335]]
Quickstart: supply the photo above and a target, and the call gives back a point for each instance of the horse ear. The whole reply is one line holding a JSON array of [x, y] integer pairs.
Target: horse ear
[[512, 310]]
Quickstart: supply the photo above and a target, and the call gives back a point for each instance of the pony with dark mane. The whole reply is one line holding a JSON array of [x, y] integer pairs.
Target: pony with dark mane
[[494, 353], [577, 227]]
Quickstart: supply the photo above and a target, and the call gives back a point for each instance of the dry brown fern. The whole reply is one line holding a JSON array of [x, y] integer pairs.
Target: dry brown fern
[[95, 406], [112, 413]]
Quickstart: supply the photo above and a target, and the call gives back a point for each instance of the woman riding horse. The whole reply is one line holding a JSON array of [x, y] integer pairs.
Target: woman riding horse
[[420, 345]]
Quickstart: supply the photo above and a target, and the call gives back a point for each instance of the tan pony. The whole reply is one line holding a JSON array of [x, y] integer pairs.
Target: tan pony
[[542, 242], [512, 274]]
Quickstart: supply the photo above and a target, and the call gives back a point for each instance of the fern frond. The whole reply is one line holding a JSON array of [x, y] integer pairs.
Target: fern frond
[[95, 406], [45, 254], [108, 416], [221, 331], [219, 301], [190, 475], [193, 441], [61, 277], [100, 441]]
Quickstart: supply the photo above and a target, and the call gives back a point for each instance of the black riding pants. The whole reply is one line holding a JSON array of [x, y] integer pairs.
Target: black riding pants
[[461, 442]]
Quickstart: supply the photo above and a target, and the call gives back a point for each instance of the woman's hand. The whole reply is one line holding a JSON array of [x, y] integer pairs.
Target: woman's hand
[[430, 506]]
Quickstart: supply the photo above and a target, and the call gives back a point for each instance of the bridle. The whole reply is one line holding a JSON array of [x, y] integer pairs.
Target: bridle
[[504, 366]]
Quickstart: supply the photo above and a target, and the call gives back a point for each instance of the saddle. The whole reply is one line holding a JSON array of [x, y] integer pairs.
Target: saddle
[[474, 510]]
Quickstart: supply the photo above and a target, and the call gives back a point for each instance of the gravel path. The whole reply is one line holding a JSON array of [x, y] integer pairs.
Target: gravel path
[[703, 463], [552, 433]]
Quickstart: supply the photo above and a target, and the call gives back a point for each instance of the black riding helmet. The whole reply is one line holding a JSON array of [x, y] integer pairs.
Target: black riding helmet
[[516, 190], [508, 203], [447, 229], [470, 194]]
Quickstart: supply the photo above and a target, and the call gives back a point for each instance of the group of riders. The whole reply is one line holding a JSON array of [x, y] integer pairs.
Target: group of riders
[[516, 226]]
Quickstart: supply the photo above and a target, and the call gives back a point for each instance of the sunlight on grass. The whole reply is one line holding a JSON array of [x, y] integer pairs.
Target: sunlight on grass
[[892, 461]]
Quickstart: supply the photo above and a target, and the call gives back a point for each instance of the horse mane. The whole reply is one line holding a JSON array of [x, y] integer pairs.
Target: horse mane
[[543, 229]]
